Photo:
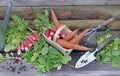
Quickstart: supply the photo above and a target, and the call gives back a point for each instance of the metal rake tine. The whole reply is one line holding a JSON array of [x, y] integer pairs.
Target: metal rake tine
[[91, 35], [94, 29]]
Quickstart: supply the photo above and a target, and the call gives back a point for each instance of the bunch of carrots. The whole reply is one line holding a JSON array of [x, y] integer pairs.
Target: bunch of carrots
[[68, 41]]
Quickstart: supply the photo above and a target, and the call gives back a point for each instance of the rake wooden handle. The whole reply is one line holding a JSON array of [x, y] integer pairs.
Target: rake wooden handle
[[108, 21]]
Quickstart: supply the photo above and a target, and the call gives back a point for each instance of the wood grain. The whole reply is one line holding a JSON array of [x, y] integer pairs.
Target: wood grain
[[66, 12], [82, 24], [59, 2]]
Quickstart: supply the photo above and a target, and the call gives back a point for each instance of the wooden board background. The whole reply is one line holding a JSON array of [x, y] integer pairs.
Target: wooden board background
[[60, 2], [69, 12]]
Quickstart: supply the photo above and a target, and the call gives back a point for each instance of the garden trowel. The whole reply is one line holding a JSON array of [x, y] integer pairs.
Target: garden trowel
[[3, 26], [88, 57]]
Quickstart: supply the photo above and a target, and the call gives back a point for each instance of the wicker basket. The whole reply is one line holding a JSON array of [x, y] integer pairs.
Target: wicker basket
[[53, 42]]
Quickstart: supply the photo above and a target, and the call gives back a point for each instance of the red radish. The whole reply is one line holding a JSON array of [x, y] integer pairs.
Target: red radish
[[47, 33], [50, 37], [62, 35], [19, 50], [18, 58], [32, 37], [25, 46], [31, 40], [53, 30], [52, 33], [22, 45], [28, 43], [36, 36]]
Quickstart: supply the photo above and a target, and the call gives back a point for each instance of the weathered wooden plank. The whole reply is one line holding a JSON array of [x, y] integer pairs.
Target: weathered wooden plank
[[113, 2], [59, 2], [6, 74], [82, 24], [24, 12], [66, 12], [73, 73], [90, 2]]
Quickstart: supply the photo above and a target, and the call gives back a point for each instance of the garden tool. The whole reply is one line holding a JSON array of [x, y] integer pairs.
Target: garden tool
[[93, 30], [3, 26], [89, 56]]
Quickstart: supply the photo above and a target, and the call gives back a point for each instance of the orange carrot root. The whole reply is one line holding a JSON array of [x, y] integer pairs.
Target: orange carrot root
[[70, 35], [54, 18], [69, 45], [78, 38]]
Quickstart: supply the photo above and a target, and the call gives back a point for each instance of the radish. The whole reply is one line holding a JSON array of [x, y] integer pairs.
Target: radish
[[35, 36], [53, 30], [62, 35], [52, 33], [22, 46], [25, 46], [50, 37], [31, 40], [19, 50], [32, 36], [18, 58], [28, 43], [47, 33]]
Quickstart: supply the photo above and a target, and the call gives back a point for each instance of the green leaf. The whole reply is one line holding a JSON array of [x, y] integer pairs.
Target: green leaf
[[106, 59], [65, 59], [34, 57], [44, 51], [116, 53], [7, 56], [97, 56], [41, 59], [115, 61], [7, 48], [1, 57], [108, 35], [59, 67]]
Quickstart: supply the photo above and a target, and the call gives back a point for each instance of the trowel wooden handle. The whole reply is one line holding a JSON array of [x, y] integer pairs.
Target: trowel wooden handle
[[104, 43]]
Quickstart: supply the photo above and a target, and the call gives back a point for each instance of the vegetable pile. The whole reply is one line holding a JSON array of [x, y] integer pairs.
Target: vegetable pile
[[44, 56], [19, 35], [16, 33], [111, 53], [68, 41], [35, 49]]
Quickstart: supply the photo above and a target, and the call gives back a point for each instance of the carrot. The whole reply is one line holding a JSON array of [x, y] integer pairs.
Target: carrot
[[54, 18], [78, 38], [69, 45], [70, 35]]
